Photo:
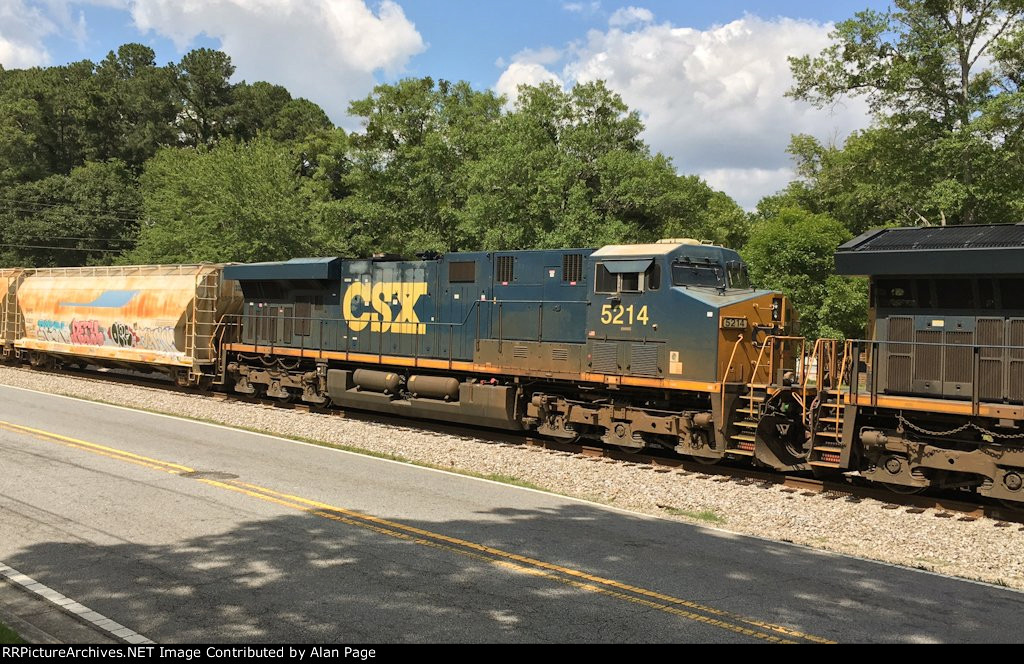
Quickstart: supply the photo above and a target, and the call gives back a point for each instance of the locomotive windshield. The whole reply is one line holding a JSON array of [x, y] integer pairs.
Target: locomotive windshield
[[689, 273], [738, 275]]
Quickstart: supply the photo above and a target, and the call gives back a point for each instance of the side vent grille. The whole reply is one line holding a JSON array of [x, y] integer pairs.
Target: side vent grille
[[900, 362], [572, 268], [560, 354], [520, 352], [959, 361], [506, 269], [605, 358], [643, 360], [1016, 368], [929, 358], [991, 332]]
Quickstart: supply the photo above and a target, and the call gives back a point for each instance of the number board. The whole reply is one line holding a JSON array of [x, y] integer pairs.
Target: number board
[[734, 323]]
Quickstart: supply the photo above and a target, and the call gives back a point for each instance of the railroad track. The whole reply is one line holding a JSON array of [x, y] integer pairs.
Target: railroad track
[[944, 504]]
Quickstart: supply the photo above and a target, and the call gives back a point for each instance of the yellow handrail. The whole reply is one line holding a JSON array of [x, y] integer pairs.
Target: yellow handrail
[[728, 367]]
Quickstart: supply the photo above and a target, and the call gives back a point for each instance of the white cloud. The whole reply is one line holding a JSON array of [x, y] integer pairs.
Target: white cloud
[[326, 50], [523, 73], [627, 16], [714, 100], [539, 56], [749, 185], [583, 7], [22, 30]]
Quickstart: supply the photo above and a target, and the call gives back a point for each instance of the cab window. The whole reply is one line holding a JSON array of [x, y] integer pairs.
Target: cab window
[[896, 294], [606, 281], [738, 275], [693, 273]]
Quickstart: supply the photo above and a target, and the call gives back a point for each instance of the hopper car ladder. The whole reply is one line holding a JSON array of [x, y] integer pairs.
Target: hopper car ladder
[[201, 329], [11, 316]]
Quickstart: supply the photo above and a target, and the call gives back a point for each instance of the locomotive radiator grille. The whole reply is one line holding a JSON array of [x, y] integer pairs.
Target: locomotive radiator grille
[[1015, 389], [605, 357], [928, 363], [959, 361], [900, 357], [991, 332], [643, 360]]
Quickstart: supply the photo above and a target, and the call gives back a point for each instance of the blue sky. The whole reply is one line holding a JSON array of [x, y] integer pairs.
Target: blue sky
[[707, 77]]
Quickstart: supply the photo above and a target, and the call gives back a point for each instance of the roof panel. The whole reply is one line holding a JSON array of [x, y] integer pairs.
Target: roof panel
[[294, 269], [934, 250]]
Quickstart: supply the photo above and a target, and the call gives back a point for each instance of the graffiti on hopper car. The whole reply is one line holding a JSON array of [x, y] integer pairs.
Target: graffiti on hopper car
[[120, 334], [123, 335], [160, 339], [87, 333], [53, 331]]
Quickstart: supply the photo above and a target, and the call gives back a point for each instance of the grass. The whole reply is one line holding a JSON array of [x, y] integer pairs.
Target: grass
[[706, 516], [9, 637]]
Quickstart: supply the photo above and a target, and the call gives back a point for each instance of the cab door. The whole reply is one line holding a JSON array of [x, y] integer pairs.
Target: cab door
[[617, 324]]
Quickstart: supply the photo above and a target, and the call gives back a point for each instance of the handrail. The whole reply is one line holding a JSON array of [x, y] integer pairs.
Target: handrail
[[728, 367], [847, 361]]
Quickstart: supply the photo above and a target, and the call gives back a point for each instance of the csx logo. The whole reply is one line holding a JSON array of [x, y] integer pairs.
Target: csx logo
[[374, 305]]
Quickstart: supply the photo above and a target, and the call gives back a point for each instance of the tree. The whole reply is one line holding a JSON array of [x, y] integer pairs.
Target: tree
[[254, 107], [297, 120], [406, 167], [202, 81], [568, 168], [88, 217], [133, 107], [943, 77], [794, 253], [233, 202]]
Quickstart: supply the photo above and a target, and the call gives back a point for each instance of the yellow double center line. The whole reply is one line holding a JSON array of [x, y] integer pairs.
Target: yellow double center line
[[511, 561]]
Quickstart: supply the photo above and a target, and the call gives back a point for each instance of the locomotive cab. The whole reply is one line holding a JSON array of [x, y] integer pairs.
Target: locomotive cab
[[678, 310]]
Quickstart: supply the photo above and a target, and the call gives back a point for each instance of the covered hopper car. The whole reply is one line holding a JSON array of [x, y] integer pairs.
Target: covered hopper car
[[159, 317]]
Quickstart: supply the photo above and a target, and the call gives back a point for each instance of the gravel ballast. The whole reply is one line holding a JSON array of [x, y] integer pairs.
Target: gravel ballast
[[978, 549]]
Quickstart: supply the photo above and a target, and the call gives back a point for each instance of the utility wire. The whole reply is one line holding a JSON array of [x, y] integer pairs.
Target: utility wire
[[37, 207], [40, 246]]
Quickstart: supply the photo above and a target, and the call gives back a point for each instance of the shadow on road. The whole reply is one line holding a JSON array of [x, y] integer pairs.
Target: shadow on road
[[304, 578]]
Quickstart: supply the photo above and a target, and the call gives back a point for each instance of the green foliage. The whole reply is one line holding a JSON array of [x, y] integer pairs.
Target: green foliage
[[233, 202], [793, 253], [9, 637], [74, 138], [419, 137], [87, 217], [132, 107], [201, 79], [944, 80], [569, 169], [245, 172]]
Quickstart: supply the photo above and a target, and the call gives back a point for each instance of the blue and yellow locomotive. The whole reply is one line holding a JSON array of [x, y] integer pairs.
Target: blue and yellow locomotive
[[636, 345]]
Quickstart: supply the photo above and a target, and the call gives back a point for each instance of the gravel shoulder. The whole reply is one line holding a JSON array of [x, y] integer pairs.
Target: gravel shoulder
[[976, 550]]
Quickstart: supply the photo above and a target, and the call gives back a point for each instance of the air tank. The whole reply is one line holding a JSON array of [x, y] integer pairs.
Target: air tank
[[377, 381], [433, 387]]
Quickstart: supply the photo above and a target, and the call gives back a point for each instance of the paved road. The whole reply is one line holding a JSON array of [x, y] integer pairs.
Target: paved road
[[188, 532]]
